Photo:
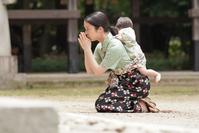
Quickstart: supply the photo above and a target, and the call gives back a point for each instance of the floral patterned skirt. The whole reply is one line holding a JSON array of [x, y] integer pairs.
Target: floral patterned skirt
[[124, 94]]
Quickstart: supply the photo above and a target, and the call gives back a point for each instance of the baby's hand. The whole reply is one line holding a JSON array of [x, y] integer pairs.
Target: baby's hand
[[118, 36]]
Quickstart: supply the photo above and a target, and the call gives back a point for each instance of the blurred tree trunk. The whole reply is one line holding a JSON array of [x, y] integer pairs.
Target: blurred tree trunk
[[44, 41], [27, 42], [135, 14], [73, 53], [61, 29], [89, 6]]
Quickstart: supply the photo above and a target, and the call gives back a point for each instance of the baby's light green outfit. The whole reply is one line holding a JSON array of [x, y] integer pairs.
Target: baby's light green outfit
[[132, 47]]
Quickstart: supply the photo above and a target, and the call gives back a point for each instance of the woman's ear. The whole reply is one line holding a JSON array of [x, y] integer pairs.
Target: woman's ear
[[101, 29]]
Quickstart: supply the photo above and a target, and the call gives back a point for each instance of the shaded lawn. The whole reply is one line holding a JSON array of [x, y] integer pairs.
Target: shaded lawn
[[93, 92]]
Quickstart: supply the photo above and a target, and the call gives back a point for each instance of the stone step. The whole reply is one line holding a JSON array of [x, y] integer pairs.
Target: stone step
[[63, 79]]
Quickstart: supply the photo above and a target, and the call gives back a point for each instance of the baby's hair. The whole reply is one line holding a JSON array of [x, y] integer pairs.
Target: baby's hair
[[124, 22]]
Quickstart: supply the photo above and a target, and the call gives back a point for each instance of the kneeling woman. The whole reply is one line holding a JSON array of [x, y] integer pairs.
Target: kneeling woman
[[127, 89]]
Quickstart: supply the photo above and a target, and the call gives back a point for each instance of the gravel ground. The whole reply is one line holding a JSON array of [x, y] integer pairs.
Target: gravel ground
[[179, 114]]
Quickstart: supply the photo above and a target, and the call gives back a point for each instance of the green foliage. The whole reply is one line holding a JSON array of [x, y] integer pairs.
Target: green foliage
[[175, 48], [171, 8], [178, 49], [52, 63], [49, 64], [118, 8], [157, 61], [34, 4]]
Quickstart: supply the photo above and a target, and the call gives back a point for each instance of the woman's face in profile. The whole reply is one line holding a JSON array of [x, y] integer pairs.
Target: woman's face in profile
[[90, 31]]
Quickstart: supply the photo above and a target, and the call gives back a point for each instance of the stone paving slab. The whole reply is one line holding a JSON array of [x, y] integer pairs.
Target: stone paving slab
[[26, 116]]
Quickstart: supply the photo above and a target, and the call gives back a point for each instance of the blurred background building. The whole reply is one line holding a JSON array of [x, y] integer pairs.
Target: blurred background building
[[44, 33]]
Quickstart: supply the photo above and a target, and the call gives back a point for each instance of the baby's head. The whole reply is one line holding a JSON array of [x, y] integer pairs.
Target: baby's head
[[124, 22], [126, 33]]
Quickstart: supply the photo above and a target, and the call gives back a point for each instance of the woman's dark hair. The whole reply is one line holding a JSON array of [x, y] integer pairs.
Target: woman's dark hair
[[98, 19], [124, 22], [113, 30]]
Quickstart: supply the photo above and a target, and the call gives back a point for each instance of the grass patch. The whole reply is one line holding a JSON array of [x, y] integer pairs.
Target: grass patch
[[54, 93], [175, 90], [88, 92]]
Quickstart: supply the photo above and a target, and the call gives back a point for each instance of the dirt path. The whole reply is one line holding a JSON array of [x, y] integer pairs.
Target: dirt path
[[80, 116]]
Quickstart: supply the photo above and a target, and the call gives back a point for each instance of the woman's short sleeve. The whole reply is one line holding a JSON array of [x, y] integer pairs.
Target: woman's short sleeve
[[113, 57], [97, 54]]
